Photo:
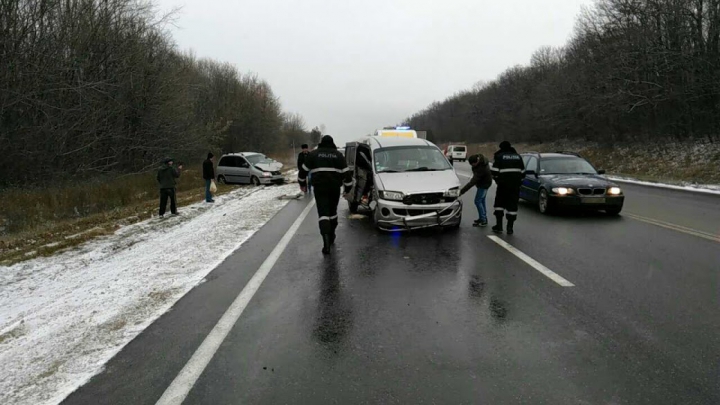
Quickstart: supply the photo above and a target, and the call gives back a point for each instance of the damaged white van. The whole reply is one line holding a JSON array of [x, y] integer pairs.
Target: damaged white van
[[405, 182]]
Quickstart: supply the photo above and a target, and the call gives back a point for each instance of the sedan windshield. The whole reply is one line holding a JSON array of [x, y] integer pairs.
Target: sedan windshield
[[568, 165], [410, 159]]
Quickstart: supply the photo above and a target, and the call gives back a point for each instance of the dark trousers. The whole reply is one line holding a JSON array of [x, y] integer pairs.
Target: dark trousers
[[166, 193], [506, 201], [327, 200], [208, 194]]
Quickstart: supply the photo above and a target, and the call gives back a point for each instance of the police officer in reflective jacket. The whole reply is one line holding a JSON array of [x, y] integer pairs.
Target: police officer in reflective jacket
[[508, 171], [329, 173]]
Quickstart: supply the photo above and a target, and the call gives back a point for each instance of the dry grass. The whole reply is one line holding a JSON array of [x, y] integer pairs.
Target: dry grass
[[662, 162], [40, 222]]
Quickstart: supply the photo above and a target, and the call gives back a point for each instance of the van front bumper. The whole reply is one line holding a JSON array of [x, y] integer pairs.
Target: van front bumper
[[396, 216]]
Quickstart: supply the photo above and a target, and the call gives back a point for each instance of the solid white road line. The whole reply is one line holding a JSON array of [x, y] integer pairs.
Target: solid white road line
[[532, 262], [674, 227], [182, 384]]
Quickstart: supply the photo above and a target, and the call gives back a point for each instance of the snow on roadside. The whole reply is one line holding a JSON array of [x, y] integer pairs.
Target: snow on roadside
[[63, 317], [698, 188]]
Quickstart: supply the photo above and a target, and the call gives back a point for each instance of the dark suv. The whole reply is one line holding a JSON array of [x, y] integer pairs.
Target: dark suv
[[565, 180]]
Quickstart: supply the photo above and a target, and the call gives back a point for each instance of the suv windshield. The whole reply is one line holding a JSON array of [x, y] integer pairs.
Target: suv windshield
[[568, 165], [409, 159]]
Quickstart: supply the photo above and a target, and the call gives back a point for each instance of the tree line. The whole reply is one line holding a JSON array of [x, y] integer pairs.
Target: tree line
[[96, 87], [634, 70]]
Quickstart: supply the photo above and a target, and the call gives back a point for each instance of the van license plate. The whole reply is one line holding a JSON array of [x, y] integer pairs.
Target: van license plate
[[593, 201]]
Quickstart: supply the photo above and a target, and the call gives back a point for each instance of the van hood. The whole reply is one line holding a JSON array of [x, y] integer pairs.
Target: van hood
[[269, 166], [419, 182]]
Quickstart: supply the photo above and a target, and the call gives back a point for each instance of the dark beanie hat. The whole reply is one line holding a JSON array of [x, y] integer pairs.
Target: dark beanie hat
[[210, 155], [505, 145], [327, 141]]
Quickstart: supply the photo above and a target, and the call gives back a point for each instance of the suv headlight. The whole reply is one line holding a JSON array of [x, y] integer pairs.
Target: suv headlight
[[614, 191], [392, 195], [563, 190], [453, 192]]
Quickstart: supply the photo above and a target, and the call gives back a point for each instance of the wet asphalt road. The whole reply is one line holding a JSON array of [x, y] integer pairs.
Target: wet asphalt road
[[451, 317]]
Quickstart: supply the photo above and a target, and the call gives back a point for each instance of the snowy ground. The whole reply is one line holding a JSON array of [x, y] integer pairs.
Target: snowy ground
[[699, 188], [63, 317]]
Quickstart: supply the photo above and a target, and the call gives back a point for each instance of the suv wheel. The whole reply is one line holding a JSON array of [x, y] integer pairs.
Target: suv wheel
[[255, 181], [221, 180], [544, 202]]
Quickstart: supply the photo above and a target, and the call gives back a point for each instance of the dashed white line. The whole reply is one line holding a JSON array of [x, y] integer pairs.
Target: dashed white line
[[532, 262], [176, 393]]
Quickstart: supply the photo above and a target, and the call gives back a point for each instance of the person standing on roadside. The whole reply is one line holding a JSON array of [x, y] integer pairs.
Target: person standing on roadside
[[508, 171], [300, 160], [209, 176], [330, 173], [166, 180], [482, 179]]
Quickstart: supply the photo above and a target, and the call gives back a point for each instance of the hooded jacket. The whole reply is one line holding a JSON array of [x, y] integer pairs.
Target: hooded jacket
[[327, 166], [482, 178], [167, 174]]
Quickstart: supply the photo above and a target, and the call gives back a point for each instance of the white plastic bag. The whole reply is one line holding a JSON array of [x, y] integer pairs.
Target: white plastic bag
[[213, 187]]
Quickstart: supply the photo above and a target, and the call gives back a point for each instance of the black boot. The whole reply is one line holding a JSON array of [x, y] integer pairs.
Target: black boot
[[510, 230], [332, 238], [326, 244], [499, 227]]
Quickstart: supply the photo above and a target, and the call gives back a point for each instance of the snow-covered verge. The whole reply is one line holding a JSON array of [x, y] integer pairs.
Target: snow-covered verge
[[63, 317], [698, 188], [694, 164]]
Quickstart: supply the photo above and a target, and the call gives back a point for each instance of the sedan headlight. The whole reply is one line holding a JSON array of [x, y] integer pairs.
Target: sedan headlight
[[267, 174], [453, 192], [614, 191], [563, 190], [392, 195]]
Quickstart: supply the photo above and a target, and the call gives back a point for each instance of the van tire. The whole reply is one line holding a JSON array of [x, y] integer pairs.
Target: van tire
[[254, 181], [221, 180]]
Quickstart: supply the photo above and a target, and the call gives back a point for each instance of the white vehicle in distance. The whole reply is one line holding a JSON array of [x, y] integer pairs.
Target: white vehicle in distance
[[405, 182], [249, 168], [456, 152]]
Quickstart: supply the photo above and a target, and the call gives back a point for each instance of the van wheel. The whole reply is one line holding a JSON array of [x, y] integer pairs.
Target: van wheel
[[221, 180], [255, 181], [354, 207]]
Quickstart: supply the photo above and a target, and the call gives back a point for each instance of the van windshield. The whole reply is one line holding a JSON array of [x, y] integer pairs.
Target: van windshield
[[410, 159], [258, 158], [459, 148]]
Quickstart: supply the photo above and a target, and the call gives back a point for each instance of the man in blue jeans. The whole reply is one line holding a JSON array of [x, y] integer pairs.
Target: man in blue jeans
[[482, 179], [209, 176]]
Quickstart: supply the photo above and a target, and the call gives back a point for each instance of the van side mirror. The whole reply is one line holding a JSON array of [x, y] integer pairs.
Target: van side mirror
[[601, 171]]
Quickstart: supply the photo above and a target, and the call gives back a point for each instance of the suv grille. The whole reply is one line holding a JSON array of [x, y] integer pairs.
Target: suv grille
[[423, 199], [591, 191]]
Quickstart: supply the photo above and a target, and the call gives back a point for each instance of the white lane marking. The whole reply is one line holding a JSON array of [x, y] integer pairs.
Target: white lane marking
[[532, 262], [674, 227], [182, 384]]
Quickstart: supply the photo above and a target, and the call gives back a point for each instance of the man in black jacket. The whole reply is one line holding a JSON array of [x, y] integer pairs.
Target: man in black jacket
[[329, 173], [300, 160], [209, 176], [482, 179], [508, 171], [166, 181]]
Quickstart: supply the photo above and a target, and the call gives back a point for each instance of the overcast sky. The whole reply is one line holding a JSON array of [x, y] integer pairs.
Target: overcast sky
[[356, 66]]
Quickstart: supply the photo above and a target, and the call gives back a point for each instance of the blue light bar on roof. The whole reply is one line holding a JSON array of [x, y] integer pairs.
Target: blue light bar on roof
[[402, 127]]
